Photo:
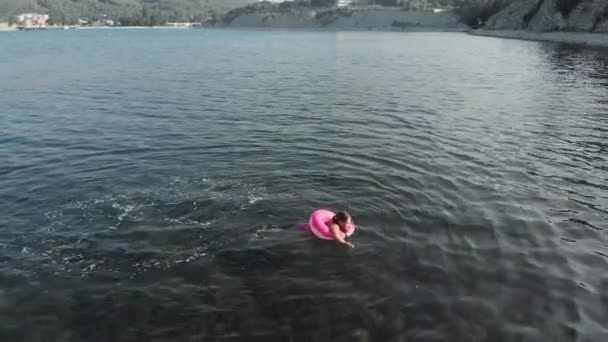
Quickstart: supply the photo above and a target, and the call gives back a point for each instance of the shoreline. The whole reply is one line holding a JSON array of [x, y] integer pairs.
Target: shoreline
[[575, 38], [133, 27], [315, 29], [338, 29], [71, 28]]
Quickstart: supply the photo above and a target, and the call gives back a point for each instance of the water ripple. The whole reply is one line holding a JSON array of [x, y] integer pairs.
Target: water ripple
[[166, 187]]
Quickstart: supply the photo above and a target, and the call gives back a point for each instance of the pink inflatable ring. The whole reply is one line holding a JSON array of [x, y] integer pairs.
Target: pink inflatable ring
[[319, 224]]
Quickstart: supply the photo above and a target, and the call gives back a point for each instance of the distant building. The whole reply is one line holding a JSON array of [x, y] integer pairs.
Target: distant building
[[183, 25], [102, 22], [443, 9], [30, 21], [355, 3]]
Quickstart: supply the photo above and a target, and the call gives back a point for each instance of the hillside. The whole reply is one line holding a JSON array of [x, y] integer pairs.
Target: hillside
[[155, 12], [301, 15], [553, 15], [385, 15], [128, 12]]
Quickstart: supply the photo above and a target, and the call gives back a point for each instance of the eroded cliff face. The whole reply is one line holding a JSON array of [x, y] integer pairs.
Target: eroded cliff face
[[602, 26], [514, 16], [548, 18], [552, 15], [587, 15]]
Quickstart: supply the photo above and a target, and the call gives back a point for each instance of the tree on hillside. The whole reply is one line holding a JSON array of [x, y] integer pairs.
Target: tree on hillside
[[3, 10], [10, 8]]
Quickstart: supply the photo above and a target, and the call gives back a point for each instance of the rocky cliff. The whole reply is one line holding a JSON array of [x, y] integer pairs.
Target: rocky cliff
[[552, 15]]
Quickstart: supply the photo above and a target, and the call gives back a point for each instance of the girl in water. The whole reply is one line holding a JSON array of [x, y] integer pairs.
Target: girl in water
[[338, 225]]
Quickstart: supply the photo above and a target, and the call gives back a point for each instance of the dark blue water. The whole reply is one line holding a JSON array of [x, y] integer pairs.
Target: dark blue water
[[151, 182]]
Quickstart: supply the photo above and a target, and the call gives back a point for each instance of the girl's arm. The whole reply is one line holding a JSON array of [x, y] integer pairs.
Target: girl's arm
[[337, 233]]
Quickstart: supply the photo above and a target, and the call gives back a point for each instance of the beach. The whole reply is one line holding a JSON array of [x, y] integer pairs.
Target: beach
[[6, 27]]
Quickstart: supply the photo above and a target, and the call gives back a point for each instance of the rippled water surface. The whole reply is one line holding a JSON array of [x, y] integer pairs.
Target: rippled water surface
[[151, 182]]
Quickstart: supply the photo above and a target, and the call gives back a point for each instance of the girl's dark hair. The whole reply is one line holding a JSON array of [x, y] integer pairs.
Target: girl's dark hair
[[341, 217]]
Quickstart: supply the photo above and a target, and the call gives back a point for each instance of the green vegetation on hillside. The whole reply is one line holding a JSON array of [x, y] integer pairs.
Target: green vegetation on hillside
[[127, 12], [471, 12], [156, 12]]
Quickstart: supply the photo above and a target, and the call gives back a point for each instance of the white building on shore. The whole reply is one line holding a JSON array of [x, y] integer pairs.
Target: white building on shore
[[29, 21], [355, 3]]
